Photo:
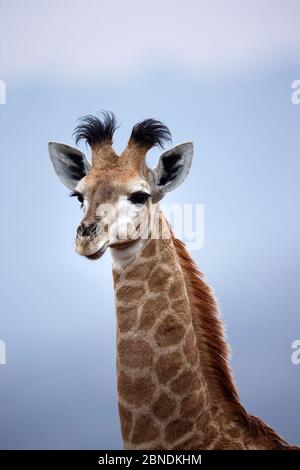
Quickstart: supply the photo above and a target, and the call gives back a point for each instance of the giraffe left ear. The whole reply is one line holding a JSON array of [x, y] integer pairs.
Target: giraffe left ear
[[69, 163], [173, 167]]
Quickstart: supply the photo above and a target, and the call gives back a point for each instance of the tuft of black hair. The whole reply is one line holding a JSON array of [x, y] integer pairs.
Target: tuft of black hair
[[149, 133], [96, 130]]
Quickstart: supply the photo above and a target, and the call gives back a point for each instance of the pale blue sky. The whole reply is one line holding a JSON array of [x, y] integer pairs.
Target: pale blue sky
[[57, 315]]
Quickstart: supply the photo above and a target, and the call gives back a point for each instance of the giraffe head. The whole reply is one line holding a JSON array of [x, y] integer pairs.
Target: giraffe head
[[117, 193]]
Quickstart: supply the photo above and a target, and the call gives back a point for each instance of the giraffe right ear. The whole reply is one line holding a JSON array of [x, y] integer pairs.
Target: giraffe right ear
[[173, 167], [69, 164]]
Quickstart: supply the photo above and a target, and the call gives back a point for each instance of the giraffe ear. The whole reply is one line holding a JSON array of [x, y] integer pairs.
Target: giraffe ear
[[173, 167], [69, 164]]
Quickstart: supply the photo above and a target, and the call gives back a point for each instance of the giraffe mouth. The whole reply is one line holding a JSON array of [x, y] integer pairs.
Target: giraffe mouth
[[123, 245], [98, 253]]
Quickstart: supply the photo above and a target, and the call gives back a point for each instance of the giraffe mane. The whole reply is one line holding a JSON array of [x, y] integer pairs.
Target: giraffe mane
[[214, 350]]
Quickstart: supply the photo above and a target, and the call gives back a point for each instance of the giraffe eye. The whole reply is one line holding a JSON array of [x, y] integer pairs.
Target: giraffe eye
[[79, 197], [139, 197]]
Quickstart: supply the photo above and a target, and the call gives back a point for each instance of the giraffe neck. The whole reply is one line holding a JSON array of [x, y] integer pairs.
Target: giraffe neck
[[163, 396], [175, 388]]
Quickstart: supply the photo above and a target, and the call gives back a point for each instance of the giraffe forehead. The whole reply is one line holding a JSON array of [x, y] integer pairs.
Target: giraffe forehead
[[110, 184]]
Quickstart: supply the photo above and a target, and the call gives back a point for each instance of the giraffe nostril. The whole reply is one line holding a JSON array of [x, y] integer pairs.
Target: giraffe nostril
[[87, 230]]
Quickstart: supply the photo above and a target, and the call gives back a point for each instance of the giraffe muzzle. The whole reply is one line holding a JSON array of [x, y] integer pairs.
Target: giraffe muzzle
[[88, 241]]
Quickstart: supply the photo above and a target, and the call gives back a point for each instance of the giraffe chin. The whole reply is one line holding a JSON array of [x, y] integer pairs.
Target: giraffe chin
[[88, 253], [97, 254]]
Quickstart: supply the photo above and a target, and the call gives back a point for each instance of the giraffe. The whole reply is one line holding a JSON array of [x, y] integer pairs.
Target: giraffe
[[175, 386]]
